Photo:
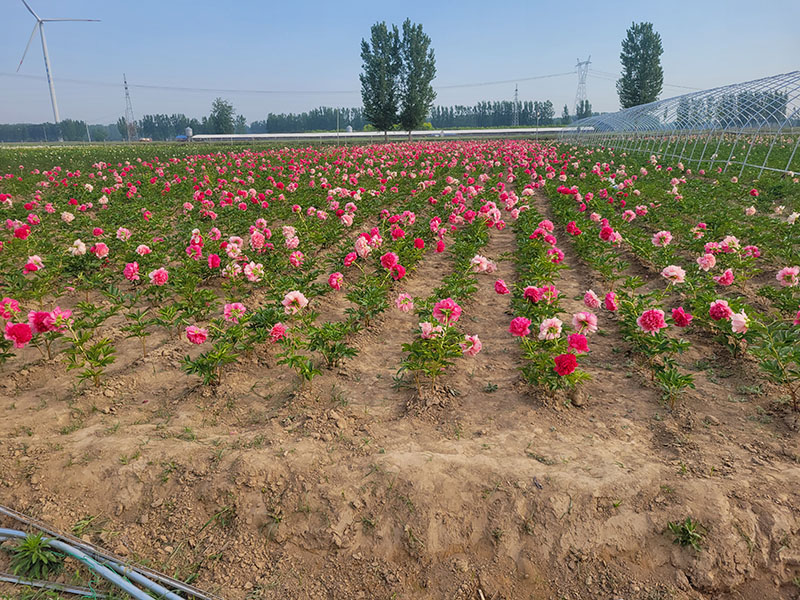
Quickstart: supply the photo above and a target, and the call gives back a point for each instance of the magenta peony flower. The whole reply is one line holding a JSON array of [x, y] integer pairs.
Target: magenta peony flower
[[651, 321], [520, 327]]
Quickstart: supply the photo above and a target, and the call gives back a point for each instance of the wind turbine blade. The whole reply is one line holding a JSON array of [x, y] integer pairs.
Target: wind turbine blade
[[30, 10], [33, 34], [53, 20]]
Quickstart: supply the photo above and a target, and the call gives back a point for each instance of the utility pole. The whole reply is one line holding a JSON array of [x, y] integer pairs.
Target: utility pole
[[130, 121], [88, 135], [515, 113], [583, 69]]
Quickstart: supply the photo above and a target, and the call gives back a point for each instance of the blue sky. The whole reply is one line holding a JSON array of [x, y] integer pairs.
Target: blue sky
[[314, 46]]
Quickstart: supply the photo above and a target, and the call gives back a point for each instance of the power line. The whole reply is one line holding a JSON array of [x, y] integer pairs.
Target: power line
[[251, 91], [612, 76]]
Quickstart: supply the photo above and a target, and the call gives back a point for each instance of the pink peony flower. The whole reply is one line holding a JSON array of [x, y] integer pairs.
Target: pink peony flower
[[131, 271], [550, 329], [196, 335], [37, 319], [681, 317], [446, 311], [519, 327], [651, 321], [142, 250], [293, 302], [296, 258], [719, 310], [232, 311], [278, 332], [335, 280], [8, 306], [159, 276], [350, 259], [726, 278], [591, 300], [500, 287], [471, 345], [58, 319], [214, 261]]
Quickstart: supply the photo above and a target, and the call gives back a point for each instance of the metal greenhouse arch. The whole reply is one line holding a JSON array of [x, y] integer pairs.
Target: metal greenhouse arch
[[755, 125]]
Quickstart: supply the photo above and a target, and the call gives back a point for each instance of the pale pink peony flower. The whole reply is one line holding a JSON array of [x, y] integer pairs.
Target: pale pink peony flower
[[707, 262], [550, 329], [662, 238], [674, 274], [404, 302], [253, 271], [429, 331], [584, 321], [739, 322], [788, 276], [142, 250], [293, 302]]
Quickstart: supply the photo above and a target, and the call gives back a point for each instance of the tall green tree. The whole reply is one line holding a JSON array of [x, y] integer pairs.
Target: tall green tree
[[382, 64], [418, 68], [565, 118], [642, 76], [221, 118], [584, 109]]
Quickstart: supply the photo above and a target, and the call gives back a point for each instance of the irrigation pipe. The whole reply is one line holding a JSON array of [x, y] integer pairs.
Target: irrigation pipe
[[101, 570], [118, 564], [50, 585]]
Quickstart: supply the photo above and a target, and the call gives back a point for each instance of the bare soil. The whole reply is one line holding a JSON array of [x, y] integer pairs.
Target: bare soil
[[351, 489]]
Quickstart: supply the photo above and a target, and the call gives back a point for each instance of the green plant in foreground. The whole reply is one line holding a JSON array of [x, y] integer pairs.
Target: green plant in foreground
[[32, 557], [687, 533]]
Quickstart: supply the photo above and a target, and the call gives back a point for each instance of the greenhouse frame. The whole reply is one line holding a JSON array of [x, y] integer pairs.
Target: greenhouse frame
[[753, 125]]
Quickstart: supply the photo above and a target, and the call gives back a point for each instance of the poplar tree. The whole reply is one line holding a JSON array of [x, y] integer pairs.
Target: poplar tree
[[379, 81], [642, 76], [418, 68]]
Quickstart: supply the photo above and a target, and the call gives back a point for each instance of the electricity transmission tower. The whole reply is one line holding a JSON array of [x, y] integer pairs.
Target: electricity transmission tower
[[583, 69], [515, 113], [130, 121]]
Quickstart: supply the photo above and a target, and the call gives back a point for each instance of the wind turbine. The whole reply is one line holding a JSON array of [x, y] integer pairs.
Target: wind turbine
[[40, 26]]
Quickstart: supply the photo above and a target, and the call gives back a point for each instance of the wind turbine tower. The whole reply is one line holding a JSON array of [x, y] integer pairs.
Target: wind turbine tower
[[40, 26], [583, 69]]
